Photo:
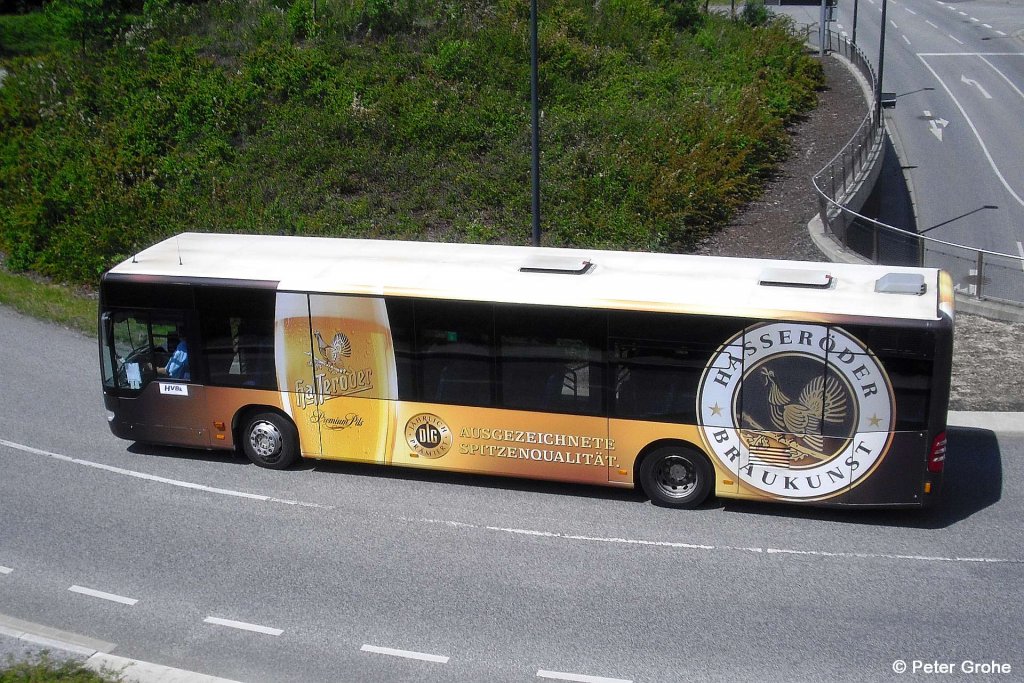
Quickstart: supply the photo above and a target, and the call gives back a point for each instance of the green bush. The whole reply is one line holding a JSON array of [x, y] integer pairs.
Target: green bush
[[391, 119]]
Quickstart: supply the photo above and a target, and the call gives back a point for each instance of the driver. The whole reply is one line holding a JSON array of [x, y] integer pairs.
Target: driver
[[177, 364]]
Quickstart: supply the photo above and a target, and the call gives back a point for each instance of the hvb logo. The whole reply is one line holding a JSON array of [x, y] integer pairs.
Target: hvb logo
[[173, 389]]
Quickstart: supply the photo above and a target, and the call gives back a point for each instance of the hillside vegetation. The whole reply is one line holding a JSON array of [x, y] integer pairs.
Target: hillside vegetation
[[383, 118]]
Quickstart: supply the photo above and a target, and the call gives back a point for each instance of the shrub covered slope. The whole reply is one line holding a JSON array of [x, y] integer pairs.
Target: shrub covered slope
[[385, 118]]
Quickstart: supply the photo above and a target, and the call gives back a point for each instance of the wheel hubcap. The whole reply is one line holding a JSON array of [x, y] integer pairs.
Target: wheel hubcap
[[677, 476], [266, 440]]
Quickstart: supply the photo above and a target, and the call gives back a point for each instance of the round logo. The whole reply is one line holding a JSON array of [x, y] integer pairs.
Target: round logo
[[428, 436], [796, 411]]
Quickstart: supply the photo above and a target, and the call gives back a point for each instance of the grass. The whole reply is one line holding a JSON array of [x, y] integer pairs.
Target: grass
[[62, 305], [43, 669]]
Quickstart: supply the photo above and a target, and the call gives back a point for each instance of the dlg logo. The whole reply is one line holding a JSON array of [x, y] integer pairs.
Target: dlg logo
[[428, 436]]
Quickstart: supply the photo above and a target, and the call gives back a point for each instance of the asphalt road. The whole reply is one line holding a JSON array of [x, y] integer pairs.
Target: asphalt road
[[957, 69], [503, 578]]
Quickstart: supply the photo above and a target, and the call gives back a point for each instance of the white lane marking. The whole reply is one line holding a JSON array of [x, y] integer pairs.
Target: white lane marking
[[1002, 75], [974, 19], [408, 654], [894, 25], [243, 626], [1000, 32], [956, 39], [987, 25], [579, 678], [8, 570], [991, 161], [1020, 250], [907, 40], [112, 597], [910, 10], [161, 480], [930, 24], [970, 54], [713, 548], [963, 14]]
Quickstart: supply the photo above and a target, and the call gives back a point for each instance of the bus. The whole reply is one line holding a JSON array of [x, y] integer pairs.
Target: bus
[[801, 382]]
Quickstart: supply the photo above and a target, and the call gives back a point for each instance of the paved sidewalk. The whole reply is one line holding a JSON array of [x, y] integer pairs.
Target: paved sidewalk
[[24, 640]]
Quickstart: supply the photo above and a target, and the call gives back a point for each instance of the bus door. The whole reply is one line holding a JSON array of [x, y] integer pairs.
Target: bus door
[[294, 363], [150, 366], [342, 378]]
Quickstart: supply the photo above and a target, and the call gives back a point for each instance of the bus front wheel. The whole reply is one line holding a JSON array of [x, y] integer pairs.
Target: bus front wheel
[[676, 477], [270, 440]]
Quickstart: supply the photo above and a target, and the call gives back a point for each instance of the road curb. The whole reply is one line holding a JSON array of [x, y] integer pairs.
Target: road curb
[[97, 654], [1001, 423]]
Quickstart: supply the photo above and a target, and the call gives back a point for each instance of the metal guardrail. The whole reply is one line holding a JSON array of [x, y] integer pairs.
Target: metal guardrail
[[977, 273]]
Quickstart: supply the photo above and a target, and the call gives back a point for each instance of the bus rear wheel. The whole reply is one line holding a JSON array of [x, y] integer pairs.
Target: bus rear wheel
[[270, 440], [676, 477]]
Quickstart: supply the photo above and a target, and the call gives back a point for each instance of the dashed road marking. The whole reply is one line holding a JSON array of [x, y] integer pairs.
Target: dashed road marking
[[987, 25], [1000, 32], [244, 626], [931, 24], [718, 548], [956, 39], [112, 597], [8, 570], [579, 678], [162, 480], [407, 654], [910, 10], [905, 39]]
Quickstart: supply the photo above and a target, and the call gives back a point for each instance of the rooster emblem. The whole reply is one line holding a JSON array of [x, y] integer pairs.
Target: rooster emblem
[[820, 401], [339, 348]]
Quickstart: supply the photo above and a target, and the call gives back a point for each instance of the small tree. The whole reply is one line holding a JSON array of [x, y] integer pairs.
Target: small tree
[[88, 21]]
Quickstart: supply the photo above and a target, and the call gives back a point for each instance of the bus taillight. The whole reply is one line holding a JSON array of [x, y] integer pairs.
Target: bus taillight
[[937, 456]]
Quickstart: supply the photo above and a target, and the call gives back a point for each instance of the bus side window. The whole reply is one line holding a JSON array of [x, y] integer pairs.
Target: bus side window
[[238, 336], [551, 360], [454, 356]]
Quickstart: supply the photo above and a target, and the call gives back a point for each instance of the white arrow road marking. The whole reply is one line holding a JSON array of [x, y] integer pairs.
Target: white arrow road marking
[[971, 81], [936, 125]]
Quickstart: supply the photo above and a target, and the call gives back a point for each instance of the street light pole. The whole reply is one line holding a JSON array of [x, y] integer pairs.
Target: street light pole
[[855, 3], [881, 65], [535, 124]]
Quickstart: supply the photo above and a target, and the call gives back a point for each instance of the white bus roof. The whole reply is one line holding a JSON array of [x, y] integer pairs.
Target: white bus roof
[[614, 279]]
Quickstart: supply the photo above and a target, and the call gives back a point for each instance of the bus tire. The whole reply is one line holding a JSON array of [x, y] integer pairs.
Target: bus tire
[[270, 440], [676, 477]]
